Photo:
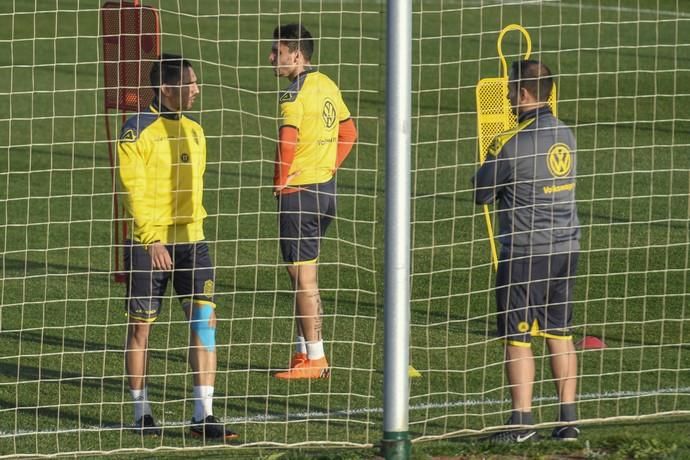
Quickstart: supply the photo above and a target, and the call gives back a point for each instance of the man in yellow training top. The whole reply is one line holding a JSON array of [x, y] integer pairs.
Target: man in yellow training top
[[316, 135], [162, 159]]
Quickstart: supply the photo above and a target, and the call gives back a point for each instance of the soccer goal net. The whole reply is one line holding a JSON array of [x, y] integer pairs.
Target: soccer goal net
[[623, 86]]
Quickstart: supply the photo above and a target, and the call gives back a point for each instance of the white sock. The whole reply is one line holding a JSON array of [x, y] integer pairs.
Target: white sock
[[203, 402], [300, 345], [141, 403], [315, 350]]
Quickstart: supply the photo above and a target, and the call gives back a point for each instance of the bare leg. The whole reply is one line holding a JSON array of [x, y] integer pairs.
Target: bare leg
[[136, 353], [520, 370], [136, 361], [564, 368], [307, 300], [309, 316]]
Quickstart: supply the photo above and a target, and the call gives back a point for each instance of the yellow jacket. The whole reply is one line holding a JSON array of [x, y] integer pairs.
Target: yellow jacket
[[162, 159]]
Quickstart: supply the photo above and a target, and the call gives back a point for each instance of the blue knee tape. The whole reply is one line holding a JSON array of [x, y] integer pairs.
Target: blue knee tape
[[201, 314]]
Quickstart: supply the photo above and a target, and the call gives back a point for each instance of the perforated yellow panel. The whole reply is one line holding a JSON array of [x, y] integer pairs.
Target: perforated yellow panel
[[494, 114]]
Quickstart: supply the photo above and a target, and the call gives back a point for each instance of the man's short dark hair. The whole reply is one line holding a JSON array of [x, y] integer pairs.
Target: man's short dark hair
[[295, 36], [168, 70], [533, 76]]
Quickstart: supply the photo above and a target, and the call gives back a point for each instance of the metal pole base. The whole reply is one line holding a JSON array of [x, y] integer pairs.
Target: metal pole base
[[396, 445]]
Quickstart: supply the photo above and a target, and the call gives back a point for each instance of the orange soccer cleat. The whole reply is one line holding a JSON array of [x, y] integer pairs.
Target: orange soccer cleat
[[307, 369], [297, 358]]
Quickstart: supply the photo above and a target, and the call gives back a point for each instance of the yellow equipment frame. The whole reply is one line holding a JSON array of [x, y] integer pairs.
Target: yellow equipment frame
[[495, 116]]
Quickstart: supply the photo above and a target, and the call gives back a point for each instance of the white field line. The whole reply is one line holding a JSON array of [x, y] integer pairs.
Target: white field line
[[464, 403], [353, 413]]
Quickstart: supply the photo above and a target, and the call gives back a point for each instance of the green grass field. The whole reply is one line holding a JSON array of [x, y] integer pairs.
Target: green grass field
[[624, 85]]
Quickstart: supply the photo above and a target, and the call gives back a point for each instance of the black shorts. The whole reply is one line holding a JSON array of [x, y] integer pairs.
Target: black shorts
[[304, 218], [534, 296], [192, 277]]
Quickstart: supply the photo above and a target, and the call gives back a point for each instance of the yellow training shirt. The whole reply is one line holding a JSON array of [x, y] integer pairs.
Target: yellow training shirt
[[314, 105], [162, 159]]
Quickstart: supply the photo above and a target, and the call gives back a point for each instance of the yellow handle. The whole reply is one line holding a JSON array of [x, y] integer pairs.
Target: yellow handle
[[487, 213], [492, 241], [505, 30]]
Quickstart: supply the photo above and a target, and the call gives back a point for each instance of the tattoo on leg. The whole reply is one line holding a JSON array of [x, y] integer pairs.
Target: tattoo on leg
[[318, 321]]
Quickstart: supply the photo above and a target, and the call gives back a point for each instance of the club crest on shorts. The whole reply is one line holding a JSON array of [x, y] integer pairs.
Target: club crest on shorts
[[523, 326], [208, 288]]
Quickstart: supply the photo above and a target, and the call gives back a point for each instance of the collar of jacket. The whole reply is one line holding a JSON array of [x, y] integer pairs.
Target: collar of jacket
[[163, 111], [534, 113], [306, 71]]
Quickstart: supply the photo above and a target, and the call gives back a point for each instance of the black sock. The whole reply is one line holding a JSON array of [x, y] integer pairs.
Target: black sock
[[521, 418], [568, 413]]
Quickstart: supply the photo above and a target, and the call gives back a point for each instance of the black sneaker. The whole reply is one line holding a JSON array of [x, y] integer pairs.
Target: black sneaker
[[211, 428], [146, 426], [565, 433], [513, 437]]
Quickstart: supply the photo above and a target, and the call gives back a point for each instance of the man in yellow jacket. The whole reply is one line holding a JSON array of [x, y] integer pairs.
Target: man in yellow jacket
[[162, 159]]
